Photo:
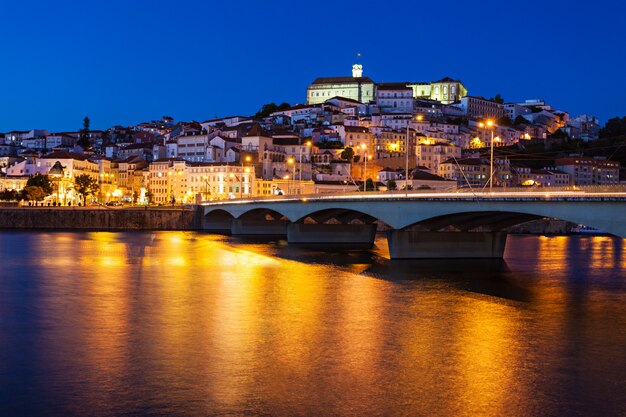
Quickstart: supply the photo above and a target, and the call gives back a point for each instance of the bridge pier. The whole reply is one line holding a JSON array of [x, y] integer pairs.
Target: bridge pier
[[260, 228], [220, 224], [424, 245], [335, 234]]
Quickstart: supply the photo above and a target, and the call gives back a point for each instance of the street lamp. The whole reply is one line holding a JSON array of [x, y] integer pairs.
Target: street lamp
[[308, 144], [364, 148], [292, 162], [247, 159], [406, 162], [489, 124], [206, 187]]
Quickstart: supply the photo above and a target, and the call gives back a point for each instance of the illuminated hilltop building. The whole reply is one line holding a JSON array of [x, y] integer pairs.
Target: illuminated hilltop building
[[365, 90], [357, 87]]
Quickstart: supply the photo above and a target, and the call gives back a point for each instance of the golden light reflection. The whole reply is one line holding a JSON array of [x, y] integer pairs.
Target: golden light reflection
[[231, 322], [603, 253], [486, 352]]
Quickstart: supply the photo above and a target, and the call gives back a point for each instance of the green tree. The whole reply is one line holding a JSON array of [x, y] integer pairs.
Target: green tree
[[270, 108], [504, 121], [520, 120], [32, 193], [85, 185], [614, 127], [326, 144], [347, 154], [42, 181], [498, 99], [9, 195], [149, 196], [83, 141], [391, 185]]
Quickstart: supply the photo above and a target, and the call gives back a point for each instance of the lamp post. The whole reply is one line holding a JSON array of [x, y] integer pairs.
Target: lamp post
[[308, 144], [364, 148], [406, 162], [292, 162], [406, 152], [206, 187], [490, 125], [286, 177], [247, 159]]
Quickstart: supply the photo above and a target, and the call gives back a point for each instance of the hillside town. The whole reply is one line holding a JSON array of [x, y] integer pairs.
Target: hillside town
[[352, 134]]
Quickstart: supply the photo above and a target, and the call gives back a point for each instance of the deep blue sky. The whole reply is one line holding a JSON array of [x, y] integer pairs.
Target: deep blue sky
[[123, 62]]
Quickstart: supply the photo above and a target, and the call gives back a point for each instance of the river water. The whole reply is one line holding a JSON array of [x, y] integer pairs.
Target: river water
[[175, 323]]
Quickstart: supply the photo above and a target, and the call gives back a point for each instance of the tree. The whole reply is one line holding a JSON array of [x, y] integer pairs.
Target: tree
[[614, 127], [32, 193], [326, 144], [520, 120], [270, 108], [504, 121], [391, 185], [84, 142], [9, 195], [149, 196], [347, 154], [42, 181], [85, 185], [498, 99]]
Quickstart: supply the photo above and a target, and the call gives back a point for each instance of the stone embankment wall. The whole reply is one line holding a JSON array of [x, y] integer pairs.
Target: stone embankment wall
[[99, 219]]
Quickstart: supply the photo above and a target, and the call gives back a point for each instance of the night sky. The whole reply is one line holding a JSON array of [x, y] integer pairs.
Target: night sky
[[123, 62]]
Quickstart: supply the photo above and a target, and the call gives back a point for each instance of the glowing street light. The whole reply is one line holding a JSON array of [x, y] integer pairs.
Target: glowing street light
[[364, 148], [247, 159], [489, 124], [308, 144], [292, 162]]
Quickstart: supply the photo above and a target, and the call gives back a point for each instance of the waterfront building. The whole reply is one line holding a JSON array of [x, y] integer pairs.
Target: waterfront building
[[12, 183], [180, 181]]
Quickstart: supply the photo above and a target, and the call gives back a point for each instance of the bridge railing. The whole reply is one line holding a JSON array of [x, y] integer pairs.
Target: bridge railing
[[465, 192]]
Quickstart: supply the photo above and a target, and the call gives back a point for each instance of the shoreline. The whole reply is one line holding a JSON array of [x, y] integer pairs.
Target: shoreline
[[186, 218]]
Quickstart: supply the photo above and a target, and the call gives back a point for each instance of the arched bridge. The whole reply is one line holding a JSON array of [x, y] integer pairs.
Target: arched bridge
[[419, 225]]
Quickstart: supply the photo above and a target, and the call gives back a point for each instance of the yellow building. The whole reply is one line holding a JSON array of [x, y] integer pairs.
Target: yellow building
[[180, 181]]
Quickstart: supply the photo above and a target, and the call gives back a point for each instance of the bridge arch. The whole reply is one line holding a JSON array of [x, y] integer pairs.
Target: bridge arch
[[473, 220], [263, 214], [338, 215], [218, 213]]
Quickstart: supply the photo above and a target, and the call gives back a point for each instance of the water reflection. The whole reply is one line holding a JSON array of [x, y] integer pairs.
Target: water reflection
[[178, 323]]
